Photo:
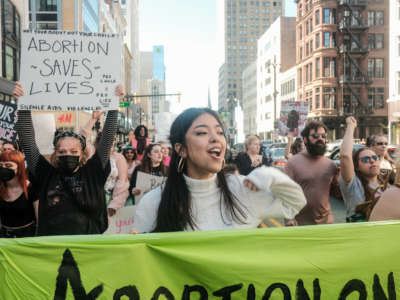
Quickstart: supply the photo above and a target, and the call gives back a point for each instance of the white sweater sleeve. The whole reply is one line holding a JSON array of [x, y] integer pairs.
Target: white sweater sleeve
[[278, 195], [146, 211]]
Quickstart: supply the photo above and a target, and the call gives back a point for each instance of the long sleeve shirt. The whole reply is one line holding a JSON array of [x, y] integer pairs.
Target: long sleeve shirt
[[278, 196]]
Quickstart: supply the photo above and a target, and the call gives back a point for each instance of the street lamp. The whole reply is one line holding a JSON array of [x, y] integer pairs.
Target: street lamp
[[274, 65]]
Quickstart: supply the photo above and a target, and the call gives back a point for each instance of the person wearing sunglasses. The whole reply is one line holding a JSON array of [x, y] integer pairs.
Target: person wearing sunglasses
[[315, 174], [380, 147], [359, 181]]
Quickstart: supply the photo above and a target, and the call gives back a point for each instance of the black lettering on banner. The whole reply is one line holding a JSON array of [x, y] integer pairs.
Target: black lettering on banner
[[379, 294], [301, 293], [226, 292], [130, 291], [163, 291], [69, 271], [272, 287], [194, 288], [86, 84], [251, 292], [354, 285]]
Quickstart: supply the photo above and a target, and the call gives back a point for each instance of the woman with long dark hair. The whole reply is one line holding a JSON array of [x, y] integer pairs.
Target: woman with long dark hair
[[17, 201], [140, 140], [199, 196], [152, 163]]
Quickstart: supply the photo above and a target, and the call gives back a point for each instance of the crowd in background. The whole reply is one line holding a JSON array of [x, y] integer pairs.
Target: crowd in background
[[83, 183]]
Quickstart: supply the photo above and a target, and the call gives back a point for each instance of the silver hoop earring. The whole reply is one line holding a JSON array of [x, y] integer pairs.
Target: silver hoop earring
[[181, 164]]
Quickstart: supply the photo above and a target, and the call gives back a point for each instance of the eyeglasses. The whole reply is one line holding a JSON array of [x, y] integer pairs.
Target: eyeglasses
[[367, 159], [317, 135], [381, 144]]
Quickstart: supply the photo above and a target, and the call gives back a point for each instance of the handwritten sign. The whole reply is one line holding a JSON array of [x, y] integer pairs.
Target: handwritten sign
[[66, 70], [8, 118], [146, 182], [122, 221], [45, 127], [293, 116]]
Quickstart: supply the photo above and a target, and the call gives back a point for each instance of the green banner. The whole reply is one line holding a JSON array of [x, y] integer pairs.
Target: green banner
[[345, 261]]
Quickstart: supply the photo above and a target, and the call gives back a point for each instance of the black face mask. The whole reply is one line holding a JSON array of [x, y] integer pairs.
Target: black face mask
[[68, 163], [6, 174]]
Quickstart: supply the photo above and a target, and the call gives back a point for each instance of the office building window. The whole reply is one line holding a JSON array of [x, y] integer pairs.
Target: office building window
[[317, 17], [10, 22], [376, 98], [326, 66], [375, 41], [317, 39], [327, 39], [317, 67], [317, 98], [376, 67], [327, 14], [376, 18]]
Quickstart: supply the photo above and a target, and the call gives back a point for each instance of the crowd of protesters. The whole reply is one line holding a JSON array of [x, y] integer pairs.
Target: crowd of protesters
[[82, 184]]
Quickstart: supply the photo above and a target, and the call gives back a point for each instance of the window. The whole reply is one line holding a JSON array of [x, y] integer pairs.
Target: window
[[307, 49], [317, 67], [301, 52], [375, 41], [398, 41], [300, 77], [317, 100], [317, 17], [327, 38], [300, 33], [310, 24], [376, 18], [327, 98], [376, 97], [333, 67], [311, 46], [326, 66], [398, 83], [10, 22], [327, 12], [375, 67], [317, 42]]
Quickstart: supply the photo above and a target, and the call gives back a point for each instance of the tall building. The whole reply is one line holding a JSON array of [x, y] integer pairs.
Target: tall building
[[394, 73], [249, 103], [90, 15], [245, 22], [276, 54], [158, 63], [342, 52], [13, 19]]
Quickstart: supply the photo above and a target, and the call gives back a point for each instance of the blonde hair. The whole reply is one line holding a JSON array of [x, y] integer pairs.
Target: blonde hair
[[54, 161], [249, 140]]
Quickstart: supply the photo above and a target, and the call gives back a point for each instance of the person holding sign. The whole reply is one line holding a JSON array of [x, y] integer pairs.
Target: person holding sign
[[199, 196], [140, 140], [152, 164], [71, 192], [17, 199]]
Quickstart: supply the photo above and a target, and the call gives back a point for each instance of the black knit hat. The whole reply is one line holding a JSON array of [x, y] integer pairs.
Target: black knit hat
[[62, 134]]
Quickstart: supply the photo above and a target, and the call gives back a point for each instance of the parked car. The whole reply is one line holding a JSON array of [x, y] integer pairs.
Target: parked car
[[278, 159], [273, 146], [335, 154]]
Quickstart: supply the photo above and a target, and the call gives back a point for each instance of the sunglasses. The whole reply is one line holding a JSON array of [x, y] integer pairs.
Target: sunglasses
[[368, 159], [317, 135], [381, 144]]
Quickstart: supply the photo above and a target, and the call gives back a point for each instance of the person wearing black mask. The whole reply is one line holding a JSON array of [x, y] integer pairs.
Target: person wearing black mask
[[315, 174], [17, 199], [71, 189]]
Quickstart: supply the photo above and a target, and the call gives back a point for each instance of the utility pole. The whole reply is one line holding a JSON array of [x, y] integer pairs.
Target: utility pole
[[275, 94]]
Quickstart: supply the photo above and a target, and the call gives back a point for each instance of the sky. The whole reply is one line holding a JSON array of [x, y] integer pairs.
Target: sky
[[191, 32]]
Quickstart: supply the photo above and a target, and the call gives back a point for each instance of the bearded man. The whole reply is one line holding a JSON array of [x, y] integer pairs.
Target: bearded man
[[314, 173]]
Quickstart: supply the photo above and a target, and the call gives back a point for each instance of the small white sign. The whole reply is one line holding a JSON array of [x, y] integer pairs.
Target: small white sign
[[68, 70], [146, 182], [122, 221]]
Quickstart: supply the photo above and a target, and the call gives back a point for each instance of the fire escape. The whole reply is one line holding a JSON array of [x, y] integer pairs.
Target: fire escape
[[353, 50]]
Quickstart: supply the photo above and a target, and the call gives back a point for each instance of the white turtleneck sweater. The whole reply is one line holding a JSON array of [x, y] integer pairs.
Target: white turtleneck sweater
[[278, 196]]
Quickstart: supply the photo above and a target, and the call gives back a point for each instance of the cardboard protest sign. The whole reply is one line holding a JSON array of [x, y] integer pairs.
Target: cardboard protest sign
[[343, 261], [45, 128], [293, 117], [146, 182], [66, 70], [122, 221], [8, 117]]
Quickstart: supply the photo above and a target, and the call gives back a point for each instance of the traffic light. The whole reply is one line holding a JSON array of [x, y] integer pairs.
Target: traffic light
[[135, 99], [179, 98]]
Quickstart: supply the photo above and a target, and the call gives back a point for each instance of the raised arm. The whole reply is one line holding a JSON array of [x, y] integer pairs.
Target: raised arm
[[26, 133], [288, 154], [109, 131], [86, 130], [346, 151]]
